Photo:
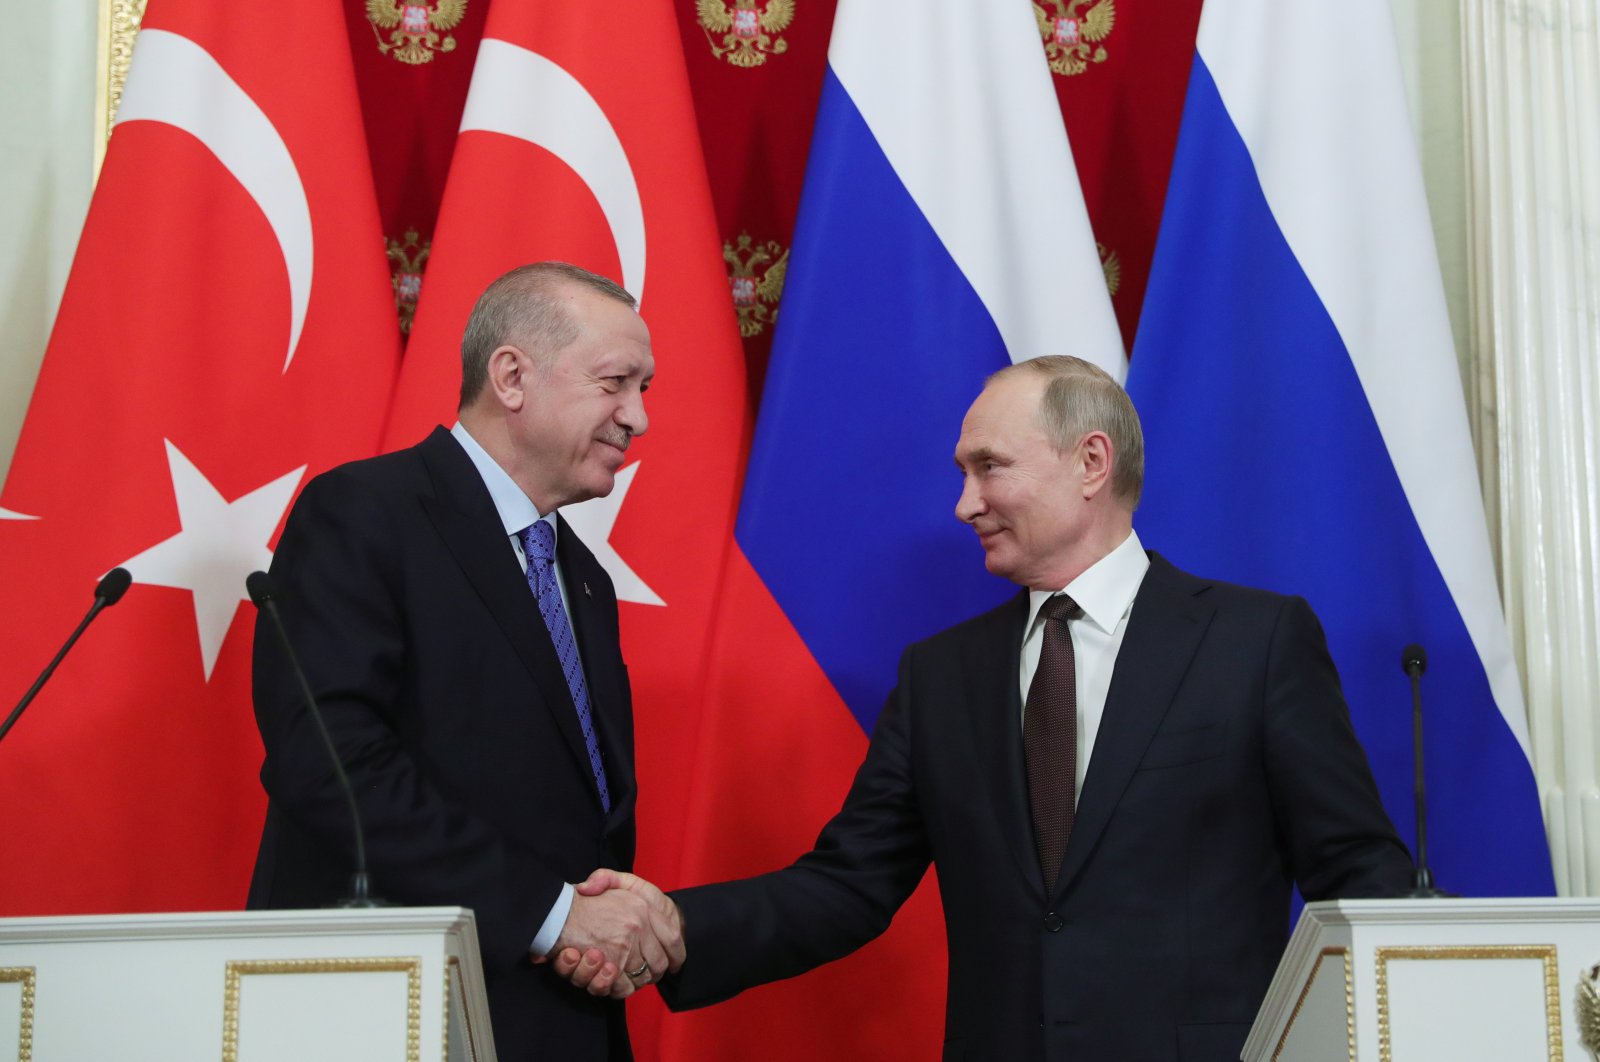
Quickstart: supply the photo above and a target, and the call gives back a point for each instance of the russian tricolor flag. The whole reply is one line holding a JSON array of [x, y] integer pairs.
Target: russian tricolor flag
[[1303, 411], [941, 235]]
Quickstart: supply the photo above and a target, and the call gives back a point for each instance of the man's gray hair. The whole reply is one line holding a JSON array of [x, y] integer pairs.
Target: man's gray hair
[[1081, 397], [523, 308]]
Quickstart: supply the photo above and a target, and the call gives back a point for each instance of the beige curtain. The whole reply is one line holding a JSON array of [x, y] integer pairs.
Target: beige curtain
[[1532, 105]]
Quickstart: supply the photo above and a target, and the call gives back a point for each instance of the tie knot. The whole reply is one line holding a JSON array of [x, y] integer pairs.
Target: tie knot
[[1060, 607], [539, 542]]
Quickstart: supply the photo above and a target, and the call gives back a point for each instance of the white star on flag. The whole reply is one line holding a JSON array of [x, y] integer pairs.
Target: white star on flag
[[593, 521], [221, 543]]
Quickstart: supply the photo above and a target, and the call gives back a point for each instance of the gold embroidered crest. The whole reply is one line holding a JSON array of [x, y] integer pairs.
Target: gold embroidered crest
[[755, 276], [750, 29], [1072, 35], [1589, 1008], [416, 30], [407, 259], [1111, 266]]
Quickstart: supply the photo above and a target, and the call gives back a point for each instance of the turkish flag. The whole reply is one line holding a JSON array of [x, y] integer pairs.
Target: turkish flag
[[578, 143], [570, 151], [227, 332]]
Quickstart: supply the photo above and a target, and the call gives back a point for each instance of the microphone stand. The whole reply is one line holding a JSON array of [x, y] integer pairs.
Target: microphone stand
[[1415, 662], [107, 592], [260, 589]]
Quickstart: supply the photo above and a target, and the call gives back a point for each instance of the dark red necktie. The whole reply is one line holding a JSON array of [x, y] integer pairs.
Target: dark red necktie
[[1050, 737]]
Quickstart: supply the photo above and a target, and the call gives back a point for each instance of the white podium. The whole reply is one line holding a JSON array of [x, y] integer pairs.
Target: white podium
[[1425, 980], [399, 984]]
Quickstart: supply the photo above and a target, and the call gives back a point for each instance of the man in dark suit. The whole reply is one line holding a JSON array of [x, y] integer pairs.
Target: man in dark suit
[[1118, 775], [463, 645]]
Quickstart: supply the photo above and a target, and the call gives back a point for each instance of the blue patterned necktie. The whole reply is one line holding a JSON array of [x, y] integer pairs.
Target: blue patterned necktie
[[539, 544]]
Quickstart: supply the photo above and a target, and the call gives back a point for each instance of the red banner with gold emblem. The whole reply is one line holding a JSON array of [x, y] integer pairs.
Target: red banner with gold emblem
[[1121, 68], [755, 71], [413, 63]]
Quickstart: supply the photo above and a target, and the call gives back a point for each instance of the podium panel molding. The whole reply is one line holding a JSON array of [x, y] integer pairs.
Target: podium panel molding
[[238, 969], [1545, 953], [1349, 1000], [382, 985], [26, 977]]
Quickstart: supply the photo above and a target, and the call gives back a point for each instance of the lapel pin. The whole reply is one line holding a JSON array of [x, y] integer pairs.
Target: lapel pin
[[586, 590]]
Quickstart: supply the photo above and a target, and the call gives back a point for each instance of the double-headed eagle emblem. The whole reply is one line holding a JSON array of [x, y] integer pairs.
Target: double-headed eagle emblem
[[1589, 1010], [1111, 266], [1072, 36], [417, 30], [755, 276], [750, 29], [408, 257]]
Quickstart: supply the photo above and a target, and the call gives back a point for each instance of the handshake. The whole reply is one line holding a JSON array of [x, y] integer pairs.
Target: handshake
[[621, 934]]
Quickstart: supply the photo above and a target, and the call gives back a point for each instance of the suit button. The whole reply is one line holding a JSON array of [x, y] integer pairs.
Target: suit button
[[1052, 922]]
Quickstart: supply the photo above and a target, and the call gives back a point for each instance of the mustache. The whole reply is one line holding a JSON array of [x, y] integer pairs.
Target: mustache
[[621, 438]]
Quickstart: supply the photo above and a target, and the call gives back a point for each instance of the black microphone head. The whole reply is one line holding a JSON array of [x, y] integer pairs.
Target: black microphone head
[[112, 586], [259, 588], [1414, 659]]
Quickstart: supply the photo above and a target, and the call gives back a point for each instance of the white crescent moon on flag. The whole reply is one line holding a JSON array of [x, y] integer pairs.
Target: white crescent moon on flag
[[522, 94], [175, 81]]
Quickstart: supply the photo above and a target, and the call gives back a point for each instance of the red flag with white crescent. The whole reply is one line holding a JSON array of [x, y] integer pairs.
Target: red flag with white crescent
[[227, 332], [578, 143]]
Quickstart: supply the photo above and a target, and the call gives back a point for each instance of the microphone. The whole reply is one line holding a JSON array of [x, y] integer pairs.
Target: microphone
[[107, 592], [259, 587], [1414, 661]]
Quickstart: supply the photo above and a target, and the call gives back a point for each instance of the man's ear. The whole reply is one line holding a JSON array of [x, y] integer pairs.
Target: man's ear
[[1095, 450], [509, 370]]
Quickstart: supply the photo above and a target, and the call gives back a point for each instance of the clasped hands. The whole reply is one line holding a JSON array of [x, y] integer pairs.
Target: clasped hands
[[621, 934]]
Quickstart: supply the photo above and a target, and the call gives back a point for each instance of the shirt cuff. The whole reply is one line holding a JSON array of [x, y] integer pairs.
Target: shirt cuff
[[548, 933]]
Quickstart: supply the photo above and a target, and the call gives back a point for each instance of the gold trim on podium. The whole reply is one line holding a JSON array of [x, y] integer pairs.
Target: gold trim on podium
[[119, 25], [26, 976], [1546, 953], [1349, 1001], [454, 982], [238, 968]]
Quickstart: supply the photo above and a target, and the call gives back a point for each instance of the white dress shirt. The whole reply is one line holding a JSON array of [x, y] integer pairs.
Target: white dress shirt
[[517, 512], [1105, 592]]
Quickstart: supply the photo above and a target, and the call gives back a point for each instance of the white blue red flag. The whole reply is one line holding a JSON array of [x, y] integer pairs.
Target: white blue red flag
[[1303, 410], [941, 235]]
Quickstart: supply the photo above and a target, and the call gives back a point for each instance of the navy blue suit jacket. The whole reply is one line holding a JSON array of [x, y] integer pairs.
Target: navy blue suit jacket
[[444, 696], [1224, 772]]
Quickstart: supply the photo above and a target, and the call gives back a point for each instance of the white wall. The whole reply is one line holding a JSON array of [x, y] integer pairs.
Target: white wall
[[47, 91]]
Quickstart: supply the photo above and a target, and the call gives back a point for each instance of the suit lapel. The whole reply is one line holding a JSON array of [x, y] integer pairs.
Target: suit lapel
[[465, 518], [587, 601], [991, 664], [1163, 633]]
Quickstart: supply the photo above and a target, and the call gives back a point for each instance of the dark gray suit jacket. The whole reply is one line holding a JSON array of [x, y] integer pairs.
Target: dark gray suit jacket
[[445, 698], [1225, 771]]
